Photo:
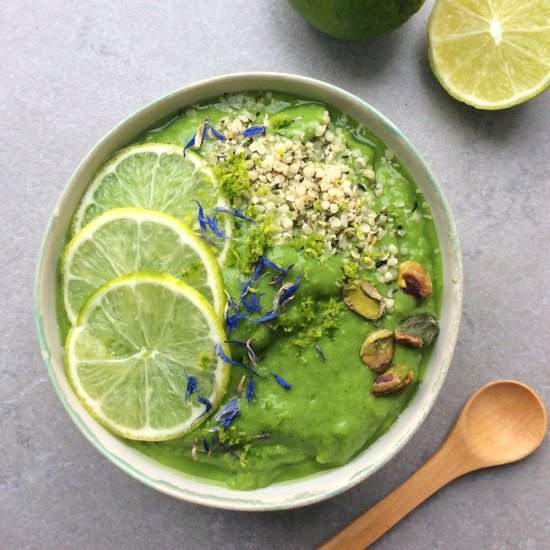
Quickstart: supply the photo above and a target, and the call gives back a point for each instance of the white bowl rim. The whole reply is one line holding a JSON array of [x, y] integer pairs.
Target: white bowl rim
[[302, 491]]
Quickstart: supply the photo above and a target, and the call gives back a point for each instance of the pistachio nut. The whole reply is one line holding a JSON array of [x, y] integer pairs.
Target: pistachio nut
[[363, 298], [393, 381], [377, 350], [414, 280], [417, 331]]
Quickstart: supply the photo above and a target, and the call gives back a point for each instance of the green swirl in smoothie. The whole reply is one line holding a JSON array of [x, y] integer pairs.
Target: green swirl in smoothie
[[321, 204]]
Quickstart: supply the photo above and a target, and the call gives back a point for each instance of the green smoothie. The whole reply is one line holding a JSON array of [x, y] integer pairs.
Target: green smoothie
[[323, 203]]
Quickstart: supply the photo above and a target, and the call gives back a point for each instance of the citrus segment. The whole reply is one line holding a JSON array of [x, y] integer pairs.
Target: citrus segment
[[136, 341], [129, 240], [491, 54]]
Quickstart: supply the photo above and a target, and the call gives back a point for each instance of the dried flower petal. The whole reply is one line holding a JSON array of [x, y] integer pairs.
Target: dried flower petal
[[224, 357], [228, 413], [234, 212], [320, 352], [240, 386], [194, 450], [266, 318], [203, 401], [192, 385], [253, 357], [214, 226], [272, 265], [201, 133], [218, 135], [229, 450], [252, 305], [202, 221], [231, 321], [231, 302], [288, 294], [189, 144], [253, 131], [236, 342], [250, 390], [251, 370], [282, 382], [279, 278]]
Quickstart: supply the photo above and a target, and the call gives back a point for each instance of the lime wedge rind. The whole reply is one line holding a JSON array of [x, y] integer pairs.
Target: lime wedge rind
[[143, 363]]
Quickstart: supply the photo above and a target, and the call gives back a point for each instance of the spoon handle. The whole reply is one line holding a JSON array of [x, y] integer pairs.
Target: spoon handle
[[444, 466]]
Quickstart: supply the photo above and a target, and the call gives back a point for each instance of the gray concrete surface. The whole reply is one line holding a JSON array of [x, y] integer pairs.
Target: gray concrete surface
[[70, 70]]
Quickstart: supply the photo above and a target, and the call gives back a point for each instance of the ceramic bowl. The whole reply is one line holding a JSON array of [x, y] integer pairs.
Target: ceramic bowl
[[301, 491]]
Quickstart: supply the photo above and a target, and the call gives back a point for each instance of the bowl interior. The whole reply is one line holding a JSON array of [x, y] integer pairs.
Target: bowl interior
[[286, 494]]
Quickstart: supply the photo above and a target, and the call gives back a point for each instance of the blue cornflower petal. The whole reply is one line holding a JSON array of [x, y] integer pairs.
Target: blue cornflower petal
[[288, 294], [228, 413], [277, 298], [236, 342], [231, 321], [250, 283], [189, 144], [272, 265], [320, 352], [266, 318], [250, 390], [279, 278], [203, 401], [282, 382], [224, 357], [253, 131], [255, 302], [202, 222], [216, 134], [214, 226], [251, 370], [227, 409], [229, 450], [234, 212], [252, 305], [255, 274], [192, 385]]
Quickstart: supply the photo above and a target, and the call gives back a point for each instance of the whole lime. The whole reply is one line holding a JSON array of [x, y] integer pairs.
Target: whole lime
[[356, 19]]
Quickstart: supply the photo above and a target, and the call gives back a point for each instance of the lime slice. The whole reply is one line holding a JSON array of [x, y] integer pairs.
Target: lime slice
[[135, 341], [129, 240], [491, 54], [155, 176]]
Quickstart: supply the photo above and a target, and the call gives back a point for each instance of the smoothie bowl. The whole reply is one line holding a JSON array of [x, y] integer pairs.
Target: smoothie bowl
[[249, 293]]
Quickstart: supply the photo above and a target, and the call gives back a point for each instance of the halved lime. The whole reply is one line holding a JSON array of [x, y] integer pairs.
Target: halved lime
[[128, 240], [491, 54], [155, 176], [136, 342]]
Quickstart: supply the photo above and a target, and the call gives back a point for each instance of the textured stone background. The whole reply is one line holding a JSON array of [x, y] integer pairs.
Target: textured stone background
[[71, 71]]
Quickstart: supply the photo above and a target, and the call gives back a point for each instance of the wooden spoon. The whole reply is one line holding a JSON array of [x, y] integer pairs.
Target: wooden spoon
[[502, 422]]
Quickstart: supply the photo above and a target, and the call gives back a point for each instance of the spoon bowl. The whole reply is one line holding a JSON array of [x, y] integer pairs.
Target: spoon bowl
[[503, 422]]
